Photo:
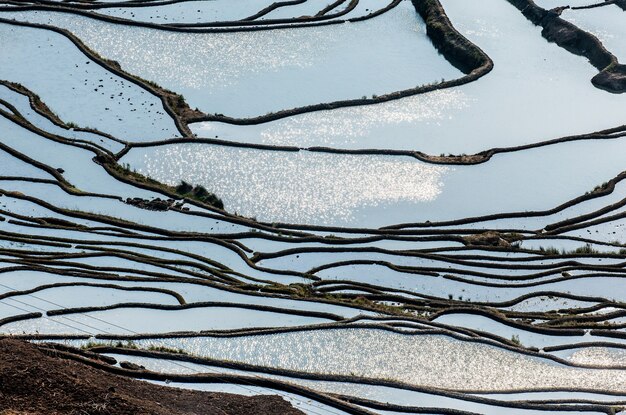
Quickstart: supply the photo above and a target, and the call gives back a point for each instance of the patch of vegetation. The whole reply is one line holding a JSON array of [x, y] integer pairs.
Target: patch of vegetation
[[153, 84], [35, 100], [549, 250], [585, 249], [91, 344], [599, 188], [138, 177], [184, 189], [199, 193], [165, 349], [308, 291], [382, 308], [581, 250], [128, 344]]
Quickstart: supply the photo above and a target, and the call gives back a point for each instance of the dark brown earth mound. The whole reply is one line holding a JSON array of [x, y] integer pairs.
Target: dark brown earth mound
[[612, 79], [32, 382], [612, 76]]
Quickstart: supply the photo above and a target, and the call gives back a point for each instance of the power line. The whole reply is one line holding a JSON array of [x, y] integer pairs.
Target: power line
[[277, 392]]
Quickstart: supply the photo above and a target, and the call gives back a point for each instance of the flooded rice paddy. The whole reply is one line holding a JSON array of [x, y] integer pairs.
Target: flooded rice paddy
[[365, 206]]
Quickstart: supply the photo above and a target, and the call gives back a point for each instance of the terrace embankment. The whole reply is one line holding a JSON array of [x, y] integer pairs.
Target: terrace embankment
[[459, 51], [612, 76], [33, 381]]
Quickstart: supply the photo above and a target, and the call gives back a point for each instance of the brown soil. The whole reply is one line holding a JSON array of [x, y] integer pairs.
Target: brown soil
[[33, 382], [612, 79]]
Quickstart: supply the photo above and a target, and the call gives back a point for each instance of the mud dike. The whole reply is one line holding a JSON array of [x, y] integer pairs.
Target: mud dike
[[447, 239]]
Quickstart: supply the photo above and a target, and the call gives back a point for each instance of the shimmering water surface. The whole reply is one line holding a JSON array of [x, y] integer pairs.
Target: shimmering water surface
[[359, 190], [379, 278], [253, 73], [511, 106], [422, 360]]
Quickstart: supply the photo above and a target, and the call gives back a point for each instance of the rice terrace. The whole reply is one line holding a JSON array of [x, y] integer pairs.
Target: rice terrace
[[321, 207]]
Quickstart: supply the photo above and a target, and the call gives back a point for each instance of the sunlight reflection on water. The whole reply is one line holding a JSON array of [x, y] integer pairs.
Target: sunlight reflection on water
[[296, 187]]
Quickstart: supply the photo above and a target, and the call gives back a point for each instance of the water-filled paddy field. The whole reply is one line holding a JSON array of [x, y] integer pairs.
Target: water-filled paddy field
[[364, 206]]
